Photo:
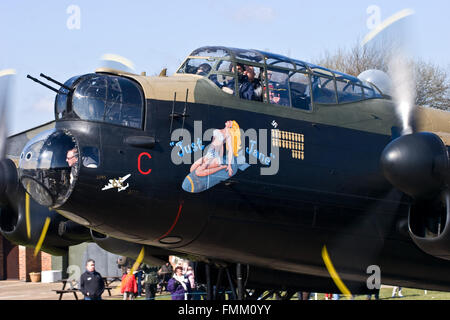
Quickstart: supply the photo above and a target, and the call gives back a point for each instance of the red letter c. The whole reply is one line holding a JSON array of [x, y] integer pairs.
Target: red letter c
[[139, 163]]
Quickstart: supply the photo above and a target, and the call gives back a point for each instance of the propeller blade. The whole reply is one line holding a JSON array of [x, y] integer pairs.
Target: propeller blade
[[5, 80], [360, 243]]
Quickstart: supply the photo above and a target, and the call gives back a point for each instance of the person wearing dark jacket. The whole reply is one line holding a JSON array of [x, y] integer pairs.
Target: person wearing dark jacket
[[91, 282]]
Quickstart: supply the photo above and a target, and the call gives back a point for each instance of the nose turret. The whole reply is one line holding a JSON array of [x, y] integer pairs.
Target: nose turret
[[48, 167]]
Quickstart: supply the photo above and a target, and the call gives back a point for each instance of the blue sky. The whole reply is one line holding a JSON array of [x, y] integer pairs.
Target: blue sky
[[156, 34]]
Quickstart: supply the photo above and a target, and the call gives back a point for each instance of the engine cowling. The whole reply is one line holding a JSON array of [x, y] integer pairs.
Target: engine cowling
[[13, 217], [419, 165], [429, 225]]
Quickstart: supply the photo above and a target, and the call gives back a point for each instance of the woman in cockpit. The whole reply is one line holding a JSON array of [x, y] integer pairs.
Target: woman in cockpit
[[212, 162]]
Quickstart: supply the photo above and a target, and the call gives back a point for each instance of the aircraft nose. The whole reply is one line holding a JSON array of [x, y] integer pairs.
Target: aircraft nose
[[48, 167]]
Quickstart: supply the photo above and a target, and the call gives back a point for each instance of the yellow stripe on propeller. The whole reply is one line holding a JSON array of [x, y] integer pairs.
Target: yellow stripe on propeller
[[27, 214], [42, 237], [334, 275]]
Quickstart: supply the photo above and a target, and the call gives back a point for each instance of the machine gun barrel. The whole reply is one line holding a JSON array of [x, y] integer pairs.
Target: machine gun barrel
[[54, 81], [44, 84]]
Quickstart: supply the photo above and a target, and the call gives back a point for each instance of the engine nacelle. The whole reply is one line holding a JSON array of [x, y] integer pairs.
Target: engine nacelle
[[418, 164], [13, 226], [429, 225]]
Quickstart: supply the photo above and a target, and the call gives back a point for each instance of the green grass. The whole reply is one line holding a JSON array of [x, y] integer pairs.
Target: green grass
[[408, 294], [385, 294]]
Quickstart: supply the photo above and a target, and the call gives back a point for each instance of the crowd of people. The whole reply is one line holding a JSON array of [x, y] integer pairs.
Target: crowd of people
[[180, 282]]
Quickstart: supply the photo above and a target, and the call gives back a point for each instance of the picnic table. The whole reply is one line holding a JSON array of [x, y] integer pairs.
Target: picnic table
[[72, 289], [109, 280], [73, 286]]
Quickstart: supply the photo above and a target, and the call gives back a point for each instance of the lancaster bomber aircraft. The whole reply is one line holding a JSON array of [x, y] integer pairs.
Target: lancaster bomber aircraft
[[248, 162]]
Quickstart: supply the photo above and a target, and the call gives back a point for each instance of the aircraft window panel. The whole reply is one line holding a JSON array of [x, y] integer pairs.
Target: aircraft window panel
[[61, 98], [90, 157], [377, 91], [323, 90], [224, 66], [278, 87], [300, 91], [112, 113], [249, 56], [89, 98], [300, 67], [349, 92], [61, 105], [323, 72], [370, 92], [250, 84], [94, 87], [131, 116], [210, 52], [109, 99], [270, 61], [124, 91], [200, 67], [283, 64], [226, 83], [88, 108]]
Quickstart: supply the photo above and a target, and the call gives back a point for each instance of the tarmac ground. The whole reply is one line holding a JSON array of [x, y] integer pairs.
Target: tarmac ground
[[20, 290]]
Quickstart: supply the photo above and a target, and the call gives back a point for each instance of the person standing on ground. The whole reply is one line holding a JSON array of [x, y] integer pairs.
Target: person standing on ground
[[178, 285], [150, 281], [129, 286], [138, 276], [91, 282], [398, 291]]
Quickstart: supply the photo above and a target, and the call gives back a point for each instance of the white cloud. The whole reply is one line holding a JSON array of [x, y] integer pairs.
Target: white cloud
[[45, 104], [252, 14]]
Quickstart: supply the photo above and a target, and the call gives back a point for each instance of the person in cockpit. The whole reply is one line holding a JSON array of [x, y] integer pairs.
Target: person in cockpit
[[247, 83], [251, 89], [89, 161], [72, 157], [203, 69]]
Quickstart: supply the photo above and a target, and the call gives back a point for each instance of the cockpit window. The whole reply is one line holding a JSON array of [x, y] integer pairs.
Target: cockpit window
[[224, 66], [278, 87], [109, 99], [370, 92], [210, 52], [275, 79], [323, 90], [200, 67], [300, 91], [348, 92], [252, 56]]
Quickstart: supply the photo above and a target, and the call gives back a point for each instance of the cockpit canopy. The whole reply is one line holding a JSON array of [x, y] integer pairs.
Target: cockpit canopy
[[276, 79], [103, 98]]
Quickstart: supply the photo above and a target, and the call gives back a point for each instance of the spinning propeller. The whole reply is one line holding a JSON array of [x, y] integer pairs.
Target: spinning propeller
[[415, 163]]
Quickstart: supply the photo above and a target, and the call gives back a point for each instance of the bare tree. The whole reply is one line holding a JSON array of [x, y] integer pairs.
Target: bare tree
[[432, 81], [355, 60], [432, 85]]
